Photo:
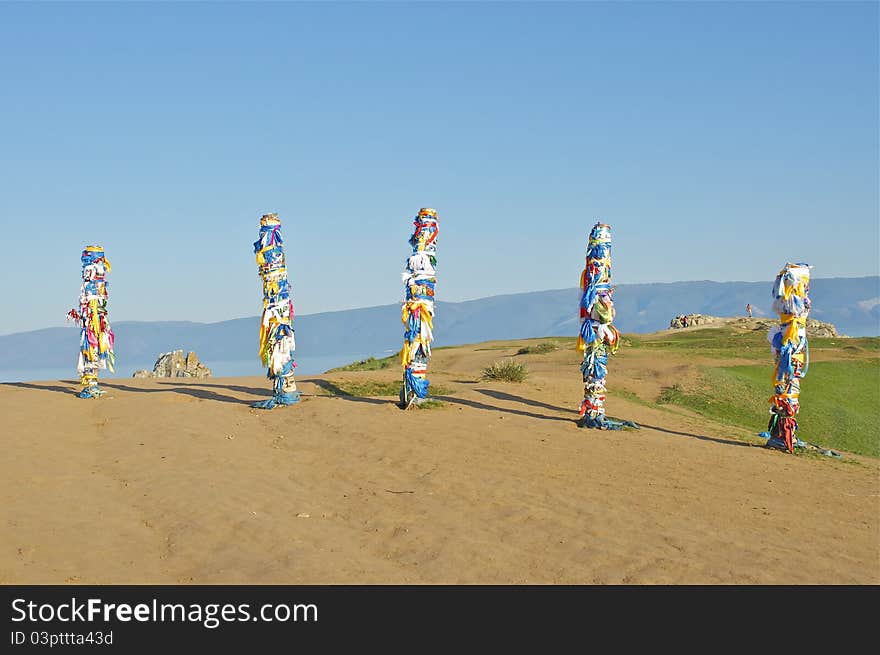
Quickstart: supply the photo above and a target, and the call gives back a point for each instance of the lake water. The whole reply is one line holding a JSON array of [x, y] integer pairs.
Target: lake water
[[219, 369]]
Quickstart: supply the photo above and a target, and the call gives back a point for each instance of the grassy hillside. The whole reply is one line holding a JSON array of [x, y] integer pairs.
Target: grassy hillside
[[734, 342], [839, 401], [721, 372], [840, 394], [369, 364]]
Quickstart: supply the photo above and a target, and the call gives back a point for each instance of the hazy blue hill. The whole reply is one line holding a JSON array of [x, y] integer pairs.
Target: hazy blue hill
[[852, 304]]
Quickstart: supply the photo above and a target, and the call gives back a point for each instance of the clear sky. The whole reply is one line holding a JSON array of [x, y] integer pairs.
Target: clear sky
[[719, 140]]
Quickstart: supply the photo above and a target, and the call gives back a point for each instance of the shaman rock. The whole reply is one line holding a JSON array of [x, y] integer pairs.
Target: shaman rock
[[176, 365], [815, 328]]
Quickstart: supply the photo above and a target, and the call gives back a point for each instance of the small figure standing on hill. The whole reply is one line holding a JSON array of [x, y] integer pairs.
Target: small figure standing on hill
[[684, 321], [749, 310]]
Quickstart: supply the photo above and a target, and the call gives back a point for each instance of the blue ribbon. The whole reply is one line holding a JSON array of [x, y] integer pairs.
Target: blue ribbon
[[419, 386], [290, 398], [601, 422]]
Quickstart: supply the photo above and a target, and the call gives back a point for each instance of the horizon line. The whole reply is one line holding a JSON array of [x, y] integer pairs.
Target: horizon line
[[480, 298]]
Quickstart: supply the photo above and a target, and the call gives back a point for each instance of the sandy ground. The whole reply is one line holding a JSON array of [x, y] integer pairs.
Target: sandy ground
[[168, 481]]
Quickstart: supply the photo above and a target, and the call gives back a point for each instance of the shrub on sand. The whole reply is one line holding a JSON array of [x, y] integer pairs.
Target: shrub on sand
[[539, 349], [506, 370]]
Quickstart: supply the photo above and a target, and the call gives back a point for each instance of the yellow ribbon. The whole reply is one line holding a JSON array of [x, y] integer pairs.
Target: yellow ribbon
[[791, 324], [426, 317]]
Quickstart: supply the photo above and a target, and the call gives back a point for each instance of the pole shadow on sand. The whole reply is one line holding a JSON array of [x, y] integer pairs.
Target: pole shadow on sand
[[185, 390], [337, 392], [264, 393], [501, 395], [71, 390], [502, 410], [701, 437]]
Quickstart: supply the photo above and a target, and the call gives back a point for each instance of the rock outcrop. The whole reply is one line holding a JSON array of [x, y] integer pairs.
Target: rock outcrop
[[692, 320], [815, 328], [175, 365]]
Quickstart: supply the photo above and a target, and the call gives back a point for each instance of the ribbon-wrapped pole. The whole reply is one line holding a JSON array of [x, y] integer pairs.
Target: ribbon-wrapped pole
[[277, 342], [788, 342], [96, 336], [598, 338], [418, 308]]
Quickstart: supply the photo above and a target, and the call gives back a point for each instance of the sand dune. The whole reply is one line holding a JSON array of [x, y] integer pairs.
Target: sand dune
[[167, 481]]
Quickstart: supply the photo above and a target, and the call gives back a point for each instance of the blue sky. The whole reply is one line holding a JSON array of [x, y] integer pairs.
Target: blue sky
[[719, 140]]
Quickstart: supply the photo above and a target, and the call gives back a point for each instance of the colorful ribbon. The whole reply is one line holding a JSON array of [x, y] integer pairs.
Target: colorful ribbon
[[277, 342], [598, 337], [418, 308], [96, 336], [788, 342]]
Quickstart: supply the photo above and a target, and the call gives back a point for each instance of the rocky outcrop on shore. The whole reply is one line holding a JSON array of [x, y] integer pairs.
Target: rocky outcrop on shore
[[175, 365], [692, 320], [815, 328]]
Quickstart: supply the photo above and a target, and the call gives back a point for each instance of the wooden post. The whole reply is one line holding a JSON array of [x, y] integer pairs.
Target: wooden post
[[418, 308], [277, 342], [598, 337], [791, 301], [96, 336]]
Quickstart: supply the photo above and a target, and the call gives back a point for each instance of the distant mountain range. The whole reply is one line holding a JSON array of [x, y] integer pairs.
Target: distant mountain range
[[852, 304]]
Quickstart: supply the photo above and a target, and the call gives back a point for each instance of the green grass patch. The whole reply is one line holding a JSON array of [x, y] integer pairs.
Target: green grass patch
[[429, 403], [360, 388], [671, 396], [632, 397], [544, 345], [727, 342], [839, 402], [860, 345], [369, 364], [493, 348], [720, 342], [505, 370], [373, 388], [538, 349]]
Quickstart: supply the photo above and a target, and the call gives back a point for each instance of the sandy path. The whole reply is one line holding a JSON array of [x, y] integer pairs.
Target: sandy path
[[169, 481]]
